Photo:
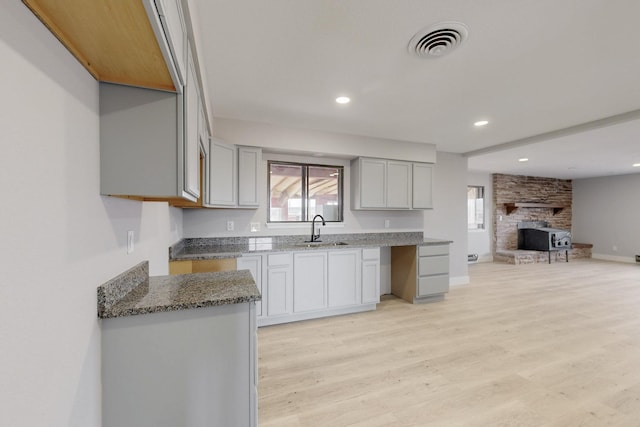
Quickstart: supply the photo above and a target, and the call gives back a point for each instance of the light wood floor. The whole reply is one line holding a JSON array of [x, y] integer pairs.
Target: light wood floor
[[526, 345]]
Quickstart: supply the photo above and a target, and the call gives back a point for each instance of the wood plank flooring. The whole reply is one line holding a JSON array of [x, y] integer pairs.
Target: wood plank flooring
[[521, 345]]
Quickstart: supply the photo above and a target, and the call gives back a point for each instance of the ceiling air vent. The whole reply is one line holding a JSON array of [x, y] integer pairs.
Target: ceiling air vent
[[438, 40]]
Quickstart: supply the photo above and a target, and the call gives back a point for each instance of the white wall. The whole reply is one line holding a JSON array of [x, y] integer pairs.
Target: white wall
[[448, 219], [606, 214], [274, 137], [480, 240], [60, 238]]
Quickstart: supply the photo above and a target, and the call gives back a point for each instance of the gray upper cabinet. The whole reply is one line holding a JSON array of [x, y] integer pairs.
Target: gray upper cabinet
[[369, 183], [150, 140], [233, 175], [422, 186], [142, 143], [398, 185], [380, 184], [168, 23], [222, 174], [192, 132], [249, 165]]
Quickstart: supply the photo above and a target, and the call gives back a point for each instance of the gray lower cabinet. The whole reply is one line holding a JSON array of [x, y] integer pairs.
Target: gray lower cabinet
[[420, 273], [309, 284], [345, 280], [433, 270], [371, 275], [278, 289], [191, 368], [309, 281]]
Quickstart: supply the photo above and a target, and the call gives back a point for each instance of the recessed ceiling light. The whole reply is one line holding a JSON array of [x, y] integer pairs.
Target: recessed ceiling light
[[636, 165], [523, 159], [343, 100], [481, 123]]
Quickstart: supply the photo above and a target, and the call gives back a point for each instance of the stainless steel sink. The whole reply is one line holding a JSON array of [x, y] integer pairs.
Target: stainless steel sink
[[320, 244]]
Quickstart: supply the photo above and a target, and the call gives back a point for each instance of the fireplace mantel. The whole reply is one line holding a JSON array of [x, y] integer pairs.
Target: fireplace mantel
[[513, 206]]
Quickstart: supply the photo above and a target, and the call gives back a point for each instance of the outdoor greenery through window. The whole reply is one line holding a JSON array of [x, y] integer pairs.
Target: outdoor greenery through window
[[475, 208], [298, 192]]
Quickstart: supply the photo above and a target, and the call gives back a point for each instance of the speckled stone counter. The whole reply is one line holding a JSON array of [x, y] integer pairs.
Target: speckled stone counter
[[134, 292], [233, 247]]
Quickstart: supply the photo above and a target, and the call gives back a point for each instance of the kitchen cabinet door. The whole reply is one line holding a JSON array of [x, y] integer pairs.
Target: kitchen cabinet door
[[373, 183], [398, 185], [253, 263], [344, 278], [249, 166], [174, 31], [279, 284], [309, 281], [422, 186], [192, 133], [371, 275], [222, 174]]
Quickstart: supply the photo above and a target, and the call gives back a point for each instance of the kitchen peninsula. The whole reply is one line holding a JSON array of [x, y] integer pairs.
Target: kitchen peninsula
[[178, 348]]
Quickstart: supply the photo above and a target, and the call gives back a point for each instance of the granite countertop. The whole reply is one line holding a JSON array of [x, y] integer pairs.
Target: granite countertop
[[134, 292], [233, 247]]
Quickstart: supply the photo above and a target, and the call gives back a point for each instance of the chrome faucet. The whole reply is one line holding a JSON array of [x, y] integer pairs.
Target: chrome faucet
[[316, 237]]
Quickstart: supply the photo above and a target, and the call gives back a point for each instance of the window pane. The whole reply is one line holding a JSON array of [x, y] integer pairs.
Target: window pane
[[475, 208], [323, 188], [285, 201]]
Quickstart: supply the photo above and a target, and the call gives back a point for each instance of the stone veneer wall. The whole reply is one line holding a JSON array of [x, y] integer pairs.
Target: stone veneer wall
[[527, 189]]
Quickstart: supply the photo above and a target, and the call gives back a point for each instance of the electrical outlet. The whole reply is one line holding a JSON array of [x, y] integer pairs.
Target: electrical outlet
[[130, 239], [229, 225], [255, 227], [386, 223], [615, 248]]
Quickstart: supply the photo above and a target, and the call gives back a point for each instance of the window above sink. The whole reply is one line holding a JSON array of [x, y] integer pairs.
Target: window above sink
[[299, 191]]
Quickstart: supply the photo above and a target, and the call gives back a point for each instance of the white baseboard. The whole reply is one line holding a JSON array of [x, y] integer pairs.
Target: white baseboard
[[458, 281], [604, 257], [485, 258], [482, 258]]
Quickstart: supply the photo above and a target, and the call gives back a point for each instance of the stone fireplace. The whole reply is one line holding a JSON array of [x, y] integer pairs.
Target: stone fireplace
[[519, 198]]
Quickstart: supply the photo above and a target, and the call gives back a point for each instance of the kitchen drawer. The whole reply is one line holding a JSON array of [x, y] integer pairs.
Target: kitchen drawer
[[428, 265], [433, 250], [371, 253], [431, 285], [279, 259]]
